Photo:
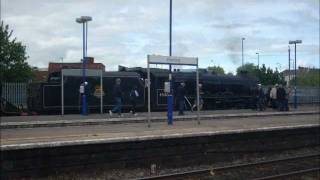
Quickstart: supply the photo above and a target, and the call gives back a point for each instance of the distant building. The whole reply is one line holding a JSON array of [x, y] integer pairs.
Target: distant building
[[56, 66], [289, 75], [41, 75]]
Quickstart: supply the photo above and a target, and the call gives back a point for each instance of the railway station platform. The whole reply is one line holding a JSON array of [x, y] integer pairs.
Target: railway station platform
[[11, 122], [135, 146], [110, 133]]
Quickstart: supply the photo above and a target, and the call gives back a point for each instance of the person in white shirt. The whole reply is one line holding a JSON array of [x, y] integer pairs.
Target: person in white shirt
[[273, 96]]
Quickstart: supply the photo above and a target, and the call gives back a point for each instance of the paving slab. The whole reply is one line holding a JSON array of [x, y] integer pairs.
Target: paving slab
[[98, 119], [6, 119], [111, 133]]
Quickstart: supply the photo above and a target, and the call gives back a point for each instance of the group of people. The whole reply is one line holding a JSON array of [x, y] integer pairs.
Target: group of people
[[117, 94], [134, 95], [277, 97]]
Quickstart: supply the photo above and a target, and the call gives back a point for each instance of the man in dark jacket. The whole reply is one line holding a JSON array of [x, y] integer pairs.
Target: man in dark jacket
[[181, 92], [134, 95], [117, 94], [260, 98], [281, 95]]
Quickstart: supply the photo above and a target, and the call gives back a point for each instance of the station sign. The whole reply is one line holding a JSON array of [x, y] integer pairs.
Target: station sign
[[78, 72], [174, 60]]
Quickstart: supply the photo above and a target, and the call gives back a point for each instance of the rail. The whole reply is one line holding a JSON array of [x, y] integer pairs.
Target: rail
[[212, 171]]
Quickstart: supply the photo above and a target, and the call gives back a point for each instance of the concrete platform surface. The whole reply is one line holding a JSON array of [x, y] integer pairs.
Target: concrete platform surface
[[6, 119], [77, 135], [100, 119]]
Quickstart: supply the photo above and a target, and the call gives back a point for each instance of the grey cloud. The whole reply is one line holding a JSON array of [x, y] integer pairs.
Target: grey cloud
[[124, 31], [229, 25]]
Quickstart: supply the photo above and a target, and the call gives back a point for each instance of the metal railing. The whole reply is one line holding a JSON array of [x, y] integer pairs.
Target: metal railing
[[15, 93]]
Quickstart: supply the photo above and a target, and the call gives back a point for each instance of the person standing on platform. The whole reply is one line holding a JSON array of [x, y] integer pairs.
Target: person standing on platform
[[200, 98], [273, 96], [181, 92], [286, 103], [83, 90], [260, 98], [268, 101], [281, 95], [117, 94], [134, 95]]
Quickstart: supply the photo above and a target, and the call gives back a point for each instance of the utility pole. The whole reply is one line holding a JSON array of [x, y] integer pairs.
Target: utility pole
[[258, 60], [289, 65], [0, 12], [170, 95], [84, 21], [295, 69]]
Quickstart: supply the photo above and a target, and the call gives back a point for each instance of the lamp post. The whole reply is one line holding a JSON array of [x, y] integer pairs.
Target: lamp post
[[258, 60], [84, 21], [170, 97], [242, 39], [295, 69], [289, 62]]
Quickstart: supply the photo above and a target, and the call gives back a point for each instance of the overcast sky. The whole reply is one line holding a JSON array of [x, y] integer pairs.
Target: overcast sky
[[123, 32]]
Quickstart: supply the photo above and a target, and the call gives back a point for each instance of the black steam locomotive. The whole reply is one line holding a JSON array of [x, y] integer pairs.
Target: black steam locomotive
[[218, 91]]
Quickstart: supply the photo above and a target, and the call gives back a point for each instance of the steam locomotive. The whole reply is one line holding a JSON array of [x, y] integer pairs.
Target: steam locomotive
[[218, 91]]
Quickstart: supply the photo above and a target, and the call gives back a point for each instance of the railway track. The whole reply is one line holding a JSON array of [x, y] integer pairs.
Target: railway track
[[245, 170]]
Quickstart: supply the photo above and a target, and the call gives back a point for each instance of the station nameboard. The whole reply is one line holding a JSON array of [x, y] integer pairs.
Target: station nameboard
[[78, 72], [175, 60]]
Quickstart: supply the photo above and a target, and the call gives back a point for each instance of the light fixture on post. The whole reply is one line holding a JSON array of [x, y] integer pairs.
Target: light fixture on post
[[84, 21], [242, 39], [295, 69], [258, 60]]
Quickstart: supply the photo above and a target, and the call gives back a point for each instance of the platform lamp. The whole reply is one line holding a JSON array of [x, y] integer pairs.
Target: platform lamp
[[84, 21], [258, 59], [242, 39], [295, 69]]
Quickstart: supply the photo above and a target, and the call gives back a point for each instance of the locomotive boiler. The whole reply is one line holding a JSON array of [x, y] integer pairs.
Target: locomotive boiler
[[218, 91]]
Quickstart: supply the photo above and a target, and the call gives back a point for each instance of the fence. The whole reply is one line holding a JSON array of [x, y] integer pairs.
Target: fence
[[306, 95], [15, 93]]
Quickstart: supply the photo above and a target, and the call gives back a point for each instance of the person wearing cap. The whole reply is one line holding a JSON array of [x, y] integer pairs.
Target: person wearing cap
[[181, 92], [273, 96]]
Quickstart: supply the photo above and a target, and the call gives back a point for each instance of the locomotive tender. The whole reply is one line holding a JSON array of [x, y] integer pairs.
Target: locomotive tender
[[218, 91]]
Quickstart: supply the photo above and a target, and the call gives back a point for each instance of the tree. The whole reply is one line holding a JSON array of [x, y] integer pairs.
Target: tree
[[248, 69], [265, 76], [310, 78], [216, 69], [13, 65]]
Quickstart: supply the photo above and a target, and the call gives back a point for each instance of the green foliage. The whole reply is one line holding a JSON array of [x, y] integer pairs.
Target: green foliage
[[266, 76], [13, 65], [216, 69], [310, 78], [249, 69]]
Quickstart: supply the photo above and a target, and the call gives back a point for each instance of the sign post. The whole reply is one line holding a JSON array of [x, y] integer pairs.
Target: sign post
[[172, 60]]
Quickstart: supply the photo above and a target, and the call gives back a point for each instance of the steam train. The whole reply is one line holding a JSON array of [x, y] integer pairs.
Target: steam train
[[218, 91]]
